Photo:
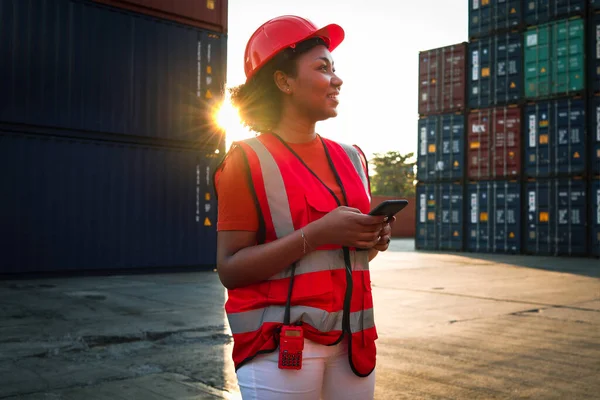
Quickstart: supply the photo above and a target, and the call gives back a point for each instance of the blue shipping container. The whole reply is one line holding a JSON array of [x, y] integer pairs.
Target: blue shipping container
[[595, 217], [439, 216], [494, 217], [490, 16], [556, 217], [555, 138], [540, 11], [595, 137], [441, 148], [72, 204], [496, 70], [87, 67], [426, 230]]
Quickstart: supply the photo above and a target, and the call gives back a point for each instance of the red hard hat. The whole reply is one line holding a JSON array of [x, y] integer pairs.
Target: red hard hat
[[283, 32]]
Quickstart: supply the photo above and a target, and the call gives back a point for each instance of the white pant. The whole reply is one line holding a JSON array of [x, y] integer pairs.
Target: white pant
[[325, 374]]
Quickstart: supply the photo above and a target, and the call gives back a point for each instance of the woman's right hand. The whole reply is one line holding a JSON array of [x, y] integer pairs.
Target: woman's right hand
[[346, 226]]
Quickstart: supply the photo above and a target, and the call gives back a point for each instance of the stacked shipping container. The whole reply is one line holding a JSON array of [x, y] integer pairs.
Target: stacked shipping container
[[532, 135], [440, 159], [106, 135]]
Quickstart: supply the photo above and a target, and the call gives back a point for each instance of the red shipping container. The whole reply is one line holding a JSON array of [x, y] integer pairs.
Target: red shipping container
[[205, 14], [494, 143], [442, 79]]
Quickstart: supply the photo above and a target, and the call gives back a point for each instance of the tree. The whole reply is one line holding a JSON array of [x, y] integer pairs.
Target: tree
[[394, 174]]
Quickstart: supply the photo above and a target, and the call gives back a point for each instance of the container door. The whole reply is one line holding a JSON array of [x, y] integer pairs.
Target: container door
[[480, 82], [537, 139], [480, 18], [539, 238], [569, 217], [480, 224], [453, 78], [507, 217], [426, 218], [568, 137], [428, 150], [428, 82], [450, 164], [568, 54], [450, 216], [595, 137], [537, 11], [595, 217], [508, 69], [506, 145], [478, 154], [537, 62], [507, 15]]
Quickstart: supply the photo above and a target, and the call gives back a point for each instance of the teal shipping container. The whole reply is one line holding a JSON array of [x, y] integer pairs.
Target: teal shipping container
[[555, 58]]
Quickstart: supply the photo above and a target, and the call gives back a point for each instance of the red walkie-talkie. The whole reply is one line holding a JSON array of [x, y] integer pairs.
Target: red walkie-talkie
[[291, 344]]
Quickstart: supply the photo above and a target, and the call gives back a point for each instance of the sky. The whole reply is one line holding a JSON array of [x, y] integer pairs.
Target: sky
[[378, 61]]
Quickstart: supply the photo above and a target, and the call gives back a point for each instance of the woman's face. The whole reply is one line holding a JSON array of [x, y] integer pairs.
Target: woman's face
[[315, 88]]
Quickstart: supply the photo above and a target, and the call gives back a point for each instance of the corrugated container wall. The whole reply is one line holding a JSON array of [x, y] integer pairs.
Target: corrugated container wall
[[595, 137], [442, 77], [441, 148], [555, 138], [540, 11], [86, 67], [494, 143], [206, 14], [494, 217], [490, 16], [439, 216], [71, 204], [555, 58], [556, 217], [595, 217], [495, 70], [593, 54]]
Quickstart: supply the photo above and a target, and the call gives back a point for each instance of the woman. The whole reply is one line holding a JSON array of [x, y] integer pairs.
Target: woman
[[294, 238]]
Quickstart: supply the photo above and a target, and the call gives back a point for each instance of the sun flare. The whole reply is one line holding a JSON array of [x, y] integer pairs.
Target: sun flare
[[228, 118]]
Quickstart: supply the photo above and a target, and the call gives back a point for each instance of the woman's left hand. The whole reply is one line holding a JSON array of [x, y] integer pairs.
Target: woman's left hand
[[385, 236]]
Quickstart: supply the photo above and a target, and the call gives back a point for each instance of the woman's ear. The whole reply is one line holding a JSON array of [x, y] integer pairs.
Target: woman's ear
[[282, 81]]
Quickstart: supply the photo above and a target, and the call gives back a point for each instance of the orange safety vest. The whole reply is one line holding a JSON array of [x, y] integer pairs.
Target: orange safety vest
[[331, 293]]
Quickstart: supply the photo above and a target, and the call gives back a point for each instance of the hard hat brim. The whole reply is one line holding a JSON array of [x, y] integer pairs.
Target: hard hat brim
[[333, 32]]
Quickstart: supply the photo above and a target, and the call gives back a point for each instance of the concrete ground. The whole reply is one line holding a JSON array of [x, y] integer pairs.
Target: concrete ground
[[451, 326]]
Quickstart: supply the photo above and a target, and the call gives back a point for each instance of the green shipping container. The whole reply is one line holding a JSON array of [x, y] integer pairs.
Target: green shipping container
[[554, 58]]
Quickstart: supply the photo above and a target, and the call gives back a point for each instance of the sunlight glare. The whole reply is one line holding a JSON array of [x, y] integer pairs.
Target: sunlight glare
[[228, 118]]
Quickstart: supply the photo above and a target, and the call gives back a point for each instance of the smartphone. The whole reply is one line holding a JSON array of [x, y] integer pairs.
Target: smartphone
[[389, 208]]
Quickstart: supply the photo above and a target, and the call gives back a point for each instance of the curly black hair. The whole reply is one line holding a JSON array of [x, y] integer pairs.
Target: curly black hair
[[259, 100]]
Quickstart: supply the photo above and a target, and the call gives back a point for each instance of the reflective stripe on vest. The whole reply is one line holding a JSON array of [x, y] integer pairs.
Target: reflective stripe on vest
[[275, 188], [326, 260], [322, 320], [358, 165]]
